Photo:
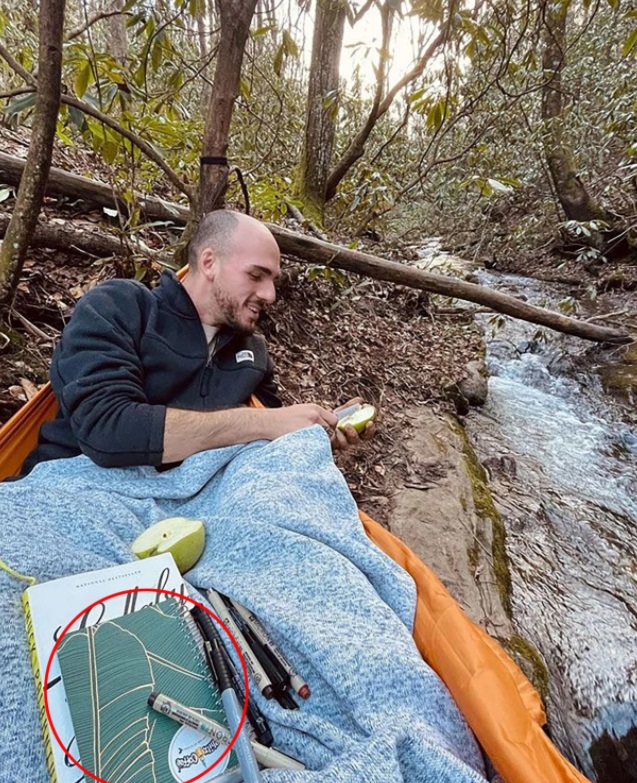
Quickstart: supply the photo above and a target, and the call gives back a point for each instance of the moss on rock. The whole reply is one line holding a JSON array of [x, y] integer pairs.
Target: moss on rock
[[530, 661], [486, 510], [519, 648]]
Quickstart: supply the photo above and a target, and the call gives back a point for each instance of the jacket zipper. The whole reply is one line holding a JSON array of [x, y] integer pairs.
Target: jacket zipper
[[220, 342]]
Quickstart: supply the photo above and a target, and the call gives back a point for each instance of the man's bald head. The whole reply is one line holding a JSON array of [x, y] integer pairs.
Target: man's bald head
[[216, 230], [235, 260], [219, 231]]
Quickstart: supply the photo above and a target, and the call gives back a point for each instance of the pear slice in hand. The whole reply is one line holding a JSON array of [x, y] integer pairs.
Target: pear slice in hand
[[184, 538], [359, 419]]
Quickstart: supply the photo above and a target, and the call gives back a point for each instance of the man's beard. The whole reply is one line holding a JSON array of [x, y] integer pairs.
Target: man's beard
[[230, 309]]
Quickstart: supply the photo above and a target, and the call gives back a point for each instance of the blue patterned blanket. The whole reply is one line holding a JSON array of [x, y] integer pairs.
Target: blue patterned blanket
[[283, 538]]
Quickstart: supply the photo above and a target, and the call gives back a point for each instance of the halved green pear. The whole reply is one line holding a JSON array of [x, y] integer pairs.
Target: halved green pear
[[184, 538], [359, 419]]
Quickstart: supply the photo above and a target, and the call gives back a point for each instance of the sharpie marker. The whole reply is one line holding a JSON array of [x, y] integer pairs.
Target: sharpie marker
[[258, 629], [258, 673], [209, 631], [268, 757]]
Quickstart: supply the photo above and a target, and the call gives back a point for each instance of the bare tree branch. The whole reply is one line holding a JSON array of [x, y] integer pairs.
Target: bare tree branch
[[104, 14], [15, 93], [353, 18], [144, 146], [356, 147], [15, 65], [391, 138]]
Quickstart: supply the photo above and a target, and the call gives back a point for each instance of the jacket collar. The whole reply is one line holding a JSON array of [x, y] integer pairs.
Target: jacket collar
[[174, 297]]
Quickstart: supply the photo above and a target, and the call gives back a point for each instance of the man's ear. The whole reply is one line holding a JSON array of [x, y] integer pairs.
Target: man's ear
[[207, 263]]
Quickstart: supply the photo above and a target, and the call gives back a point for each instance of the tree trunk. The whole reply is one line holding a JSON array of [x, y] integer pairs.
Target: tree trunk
[[235, 17], [38, 163], [117, 32], [314, 251], [573, 196], [202, 36], [322, 107]]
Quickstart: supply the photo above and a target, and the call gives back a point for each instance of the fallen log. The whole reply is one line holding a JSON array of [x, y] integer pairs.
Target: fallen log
[[63, 238], [62, 183], [318, 252], [315, 251], [91, 243]]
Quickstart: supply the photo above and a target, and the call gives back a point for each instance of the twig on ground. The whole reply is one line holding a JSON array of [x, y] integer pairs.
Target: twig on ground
[[606, 316], [32, 328]]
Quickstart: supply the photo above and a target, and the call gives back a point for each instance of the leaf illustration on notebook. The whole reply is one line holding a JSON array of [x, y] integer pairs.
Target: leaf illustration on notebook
[[102, 714], [109, 671]]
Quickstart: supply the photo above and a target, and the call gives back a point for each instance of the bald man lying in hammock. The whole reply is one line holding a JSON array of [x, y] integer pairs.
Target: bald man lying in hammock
[[151, 377]]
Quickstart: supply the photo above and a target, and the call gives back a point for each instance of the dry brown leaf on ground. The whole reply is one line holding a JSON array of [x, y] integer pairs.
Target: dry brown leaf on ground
[[30, 389], [18, 393]]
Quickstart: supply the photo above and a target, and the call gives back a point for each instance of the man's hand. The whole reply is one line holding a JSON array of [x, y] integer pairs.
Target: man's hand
[[347, 437], [294, 417]]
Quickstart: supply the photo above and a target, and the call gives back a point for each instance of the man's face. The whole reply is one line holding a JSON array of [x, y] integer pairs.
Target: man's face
[[243, 281]]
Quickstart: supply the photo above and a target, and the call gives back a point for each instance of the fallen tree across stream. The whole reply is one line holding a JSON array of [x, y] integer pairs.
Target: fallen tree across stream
[[315, 251]]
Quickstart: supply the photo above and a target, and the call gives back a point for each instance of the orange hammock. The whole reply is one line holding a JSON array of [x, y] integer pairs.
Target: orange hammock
[[499, 703]]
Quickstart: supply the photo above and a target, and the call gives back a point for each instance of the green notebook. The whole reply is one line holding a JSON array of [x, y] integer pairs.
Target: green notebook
[[109, 671]]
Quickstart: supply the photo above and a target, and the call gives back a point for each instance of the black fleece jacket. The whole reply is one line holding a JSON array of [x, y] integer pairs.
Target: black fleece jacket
[[126, 355]]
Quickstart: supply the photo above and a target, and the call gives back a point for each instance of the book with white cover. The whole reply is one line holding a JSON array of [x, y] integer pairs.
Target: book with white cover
[[50, 606]]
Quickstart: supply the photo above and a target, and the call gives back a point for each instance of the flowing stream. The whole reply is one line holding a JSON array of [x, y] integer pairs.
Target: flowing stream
[[561, 452]]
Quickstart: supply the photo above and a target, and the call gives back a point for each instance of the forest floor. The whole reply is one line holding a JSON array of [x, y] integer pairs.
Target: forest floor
[[331, 339]]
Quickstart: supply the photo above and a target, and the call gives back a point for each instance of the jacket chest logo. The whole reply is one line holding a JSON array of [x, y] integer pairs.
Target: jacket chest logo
[[244, 356]]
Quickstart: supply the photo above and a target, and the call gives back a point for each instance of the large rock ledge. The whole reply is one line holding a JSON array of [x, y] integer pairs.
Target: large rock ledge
[[445, 513]]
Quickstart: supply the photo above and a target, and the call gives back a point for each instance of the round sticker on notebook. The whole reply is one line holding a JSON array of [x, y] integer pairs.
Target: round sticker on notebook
[[191, 752]]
